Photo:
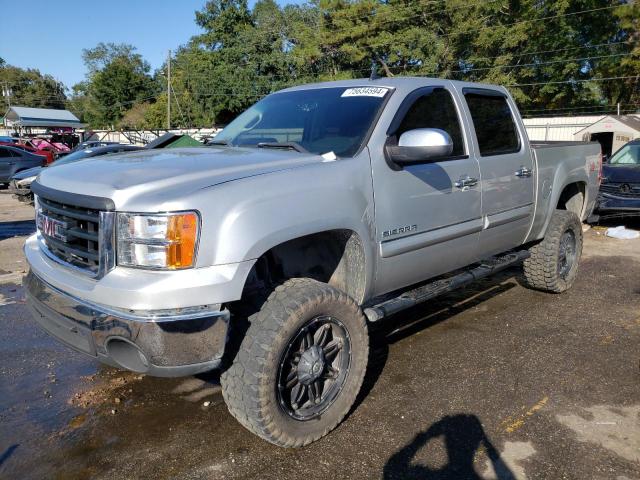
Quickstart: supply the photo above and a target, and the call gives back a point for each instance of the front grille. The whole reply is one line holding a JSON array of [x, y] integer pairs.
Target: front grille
[[77, 238], [625, 190]]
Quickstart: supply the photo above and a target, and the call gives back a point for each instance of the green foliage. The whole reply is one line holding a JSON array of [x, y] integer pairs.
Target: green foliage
[[550, 54], [117, 79], [30, 88]]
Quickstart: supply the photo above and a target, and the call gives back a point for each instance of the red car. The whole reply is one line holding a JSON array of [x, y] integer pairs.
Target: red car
[[48, 154]]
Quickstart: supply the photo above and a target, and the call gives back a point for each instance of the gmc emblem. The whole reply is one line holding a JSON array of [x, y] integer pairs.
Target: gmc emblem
[[51, 227]]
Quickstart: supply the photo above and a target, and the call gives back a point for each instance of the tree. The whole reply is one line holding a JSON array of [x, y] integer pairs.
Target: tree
[[241, 56], [30, 88], [117, 79], [551, 55]]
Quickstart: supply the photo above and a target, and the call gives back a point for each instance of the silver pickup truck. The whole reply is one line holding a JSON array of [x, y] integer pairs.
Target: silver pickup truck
[[319, 210]]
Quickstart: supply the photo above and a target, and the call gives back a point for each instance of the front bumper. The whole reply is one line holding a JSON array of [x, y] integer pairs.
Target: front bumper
[[608, 203], [20, 192], [184, 345]]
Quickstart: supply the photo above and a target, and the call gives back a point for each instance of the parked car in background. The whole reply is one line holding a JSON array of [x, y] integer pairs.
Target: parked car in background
[[93, 144], [57, 149], [20, 184], [48, 155], [14, 160], [9, 140], [620, 188]]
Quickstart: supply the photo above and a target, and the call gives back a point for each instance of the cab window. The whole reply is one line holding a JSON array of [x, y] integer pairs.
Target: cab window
[[435, 109], [495, 129]]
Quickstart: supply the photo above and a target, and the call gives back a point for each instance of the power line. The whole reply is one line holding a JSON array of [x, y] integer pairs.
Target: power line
[[462, 70], [582, 108], [479, 29], [580, 114], [573, 81], [538, 19], [522, 65], [542, 52], [409, 7]]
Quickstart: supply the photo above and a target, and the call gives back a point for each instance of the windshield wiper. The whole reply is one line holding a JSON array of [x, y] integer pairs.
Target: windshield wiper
[[288, 145], [218, 142]]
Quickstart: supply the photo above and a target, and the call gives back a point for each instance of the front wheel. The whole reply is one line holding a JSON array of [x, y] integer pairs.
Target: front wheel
[[553, 265], [301, 364]]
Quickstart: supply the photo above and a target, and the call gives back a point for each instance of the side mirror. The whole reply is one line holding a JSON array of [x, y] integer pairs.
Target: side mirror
[[420, 145]]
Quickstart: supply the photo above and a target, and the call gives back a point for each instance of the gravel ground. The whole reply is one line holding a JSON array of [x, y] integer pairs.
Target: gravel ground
[[492, 382]]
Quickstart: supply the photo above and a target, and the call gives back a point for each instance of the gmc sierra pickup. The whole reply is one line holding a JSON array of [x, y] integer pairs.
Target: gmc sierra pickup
[[320, 209]]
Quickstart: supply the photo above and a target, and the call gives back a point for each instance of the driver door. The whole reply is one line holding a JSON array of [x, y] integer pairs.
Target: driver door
[[428, 220]]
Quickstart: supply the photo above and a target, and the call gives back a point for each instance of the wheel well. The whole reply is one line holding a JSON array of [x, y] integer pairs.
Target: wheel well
[[335, 257], [572, 198]]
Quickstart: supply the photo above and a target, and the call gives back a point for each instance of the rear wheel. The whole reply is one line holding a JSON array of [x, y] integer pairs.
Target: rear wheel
[[553, 265], [301, 364]]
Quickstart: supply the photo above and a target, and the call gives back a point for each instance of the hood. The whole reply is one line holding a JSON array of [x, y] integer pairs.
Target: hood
[[621, 173], [173, 172], [30, 172]]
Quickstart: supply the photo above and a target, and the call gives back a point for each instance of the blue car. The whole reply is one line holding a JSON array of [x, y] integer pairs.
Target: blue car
[[620, 188], [14, 160]]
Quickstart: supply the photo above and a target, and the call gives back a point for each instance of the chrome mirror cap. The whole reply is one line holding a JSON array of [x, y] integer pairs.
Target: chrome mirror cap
[[421, 145]]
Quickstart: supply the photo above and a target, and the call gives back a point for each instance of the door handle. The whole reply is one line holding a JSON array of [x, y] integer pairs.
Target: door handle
[[523, 172], [465, 182]]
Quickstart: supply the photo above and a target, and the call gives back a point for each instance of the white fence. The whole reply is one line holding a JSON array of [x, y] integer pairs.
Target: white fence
[[538, 129], [136, 137], [142, 137]]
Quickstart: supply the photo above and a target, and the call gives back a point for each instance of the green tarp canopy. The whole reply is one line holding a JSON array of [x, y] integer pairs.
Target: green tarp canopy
[[184, 141]]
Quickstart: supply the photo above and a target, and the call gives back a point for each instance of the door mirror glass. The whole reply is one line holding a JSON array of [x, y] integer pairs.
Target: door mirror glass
[[421, 145]]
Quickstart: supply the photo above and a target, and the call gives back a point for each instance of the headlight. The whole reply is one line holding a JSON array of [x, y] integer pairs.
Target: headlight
[[25, 181], [166, 241]]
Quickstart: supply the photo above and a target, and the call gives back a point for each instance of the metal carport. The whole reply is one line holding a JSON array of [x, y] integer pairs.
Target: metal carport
[[26, 117]]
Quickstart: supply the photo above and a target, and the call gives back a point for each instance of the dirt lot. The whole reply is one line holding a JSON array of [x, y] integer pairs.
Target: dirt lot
[[495, 381]]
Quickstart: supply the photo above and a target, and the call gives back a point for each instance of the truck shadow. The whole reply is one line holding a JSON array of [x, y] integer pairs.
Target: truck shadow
[[463, 437], [462, 434]]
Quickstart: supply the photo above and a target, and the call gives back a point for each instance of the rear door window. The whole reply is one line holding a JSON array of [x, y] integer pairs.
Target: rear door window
[[495, 128]]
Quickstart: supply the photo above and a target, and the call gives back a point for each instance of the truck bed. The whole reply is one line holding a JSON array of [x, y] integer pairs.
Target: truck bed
[[558, 164]]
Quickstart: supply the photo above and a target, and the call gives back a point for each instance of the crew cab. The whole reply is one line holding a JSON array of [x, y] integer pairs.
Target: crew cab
[[319, 210]]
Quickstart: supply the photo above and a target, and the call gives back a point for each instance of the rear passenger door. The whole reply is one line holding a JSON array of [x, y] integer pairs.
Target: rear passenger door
[[506, 170]]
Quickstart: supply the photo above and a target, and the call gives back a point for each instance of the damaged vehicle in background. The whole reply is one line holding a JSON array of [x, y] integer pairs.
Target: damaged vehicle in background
[[20, 185], [620, 188], [14, 160]]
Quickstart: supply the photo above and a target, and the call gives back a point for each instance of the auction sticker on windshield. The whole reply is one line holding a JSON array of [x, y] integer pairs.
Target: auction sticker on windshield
[[365, 92]]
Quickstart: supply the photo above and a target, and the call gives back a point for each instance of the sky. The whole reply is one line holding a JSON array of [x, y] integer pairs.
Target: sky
[[50, 36]]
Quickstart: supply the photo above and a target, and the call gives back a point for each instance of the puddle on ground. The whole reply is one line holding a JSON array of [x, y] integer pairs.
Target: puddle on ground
[[614, 428]]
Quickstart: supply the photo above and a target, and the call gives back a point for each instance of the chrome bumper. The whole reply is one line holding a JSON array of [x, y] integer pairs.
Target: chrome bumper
[[173, 346]]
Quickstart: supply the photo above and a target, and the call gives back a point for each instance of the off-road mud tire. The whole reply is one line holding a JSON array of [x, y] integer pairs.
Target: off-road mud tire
[[542, 270], [249, 385]]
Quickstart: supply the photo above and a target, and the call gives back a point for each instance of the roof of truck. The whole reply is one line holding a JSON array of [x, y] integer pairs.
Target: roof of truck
[[399, 83]]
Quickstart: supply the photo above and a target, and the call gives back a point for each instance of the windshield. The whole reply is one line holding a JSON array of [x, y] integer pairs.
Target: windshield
[[320, 120], [627, 155]]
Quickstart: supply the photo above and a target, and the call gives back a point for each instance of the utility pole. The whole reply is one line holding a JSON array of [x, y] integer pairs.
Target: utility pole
[[618, 108], [7, 92], [169, 91]]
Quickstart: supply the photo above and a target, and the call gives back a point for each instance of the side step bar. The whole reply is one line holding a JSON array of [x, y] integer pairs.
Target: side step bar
[[431, 290]]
